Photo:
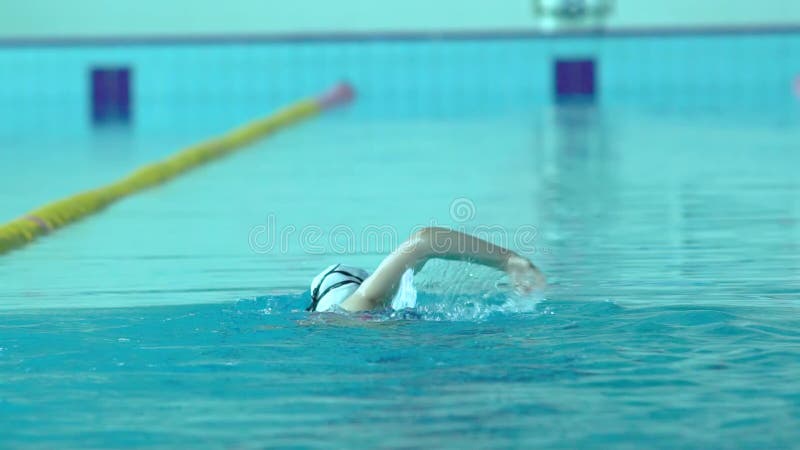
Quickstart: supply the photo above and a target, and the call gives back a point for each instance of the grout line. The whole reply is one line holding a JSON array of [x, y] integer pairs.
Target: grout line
[[355, 37]]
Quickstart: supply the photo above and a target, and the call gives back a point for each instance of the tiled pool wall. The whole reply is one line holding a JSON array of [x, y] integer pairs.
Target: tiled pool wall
[[174, 84]]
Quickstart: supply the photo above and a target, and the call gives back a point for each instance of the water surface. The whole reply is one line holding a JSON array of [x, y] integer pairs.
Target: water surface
[[671, 245]]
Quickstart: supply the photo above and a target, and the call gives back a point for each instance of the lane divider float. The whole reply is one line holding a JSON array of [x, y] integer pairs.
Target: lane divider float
[[60, 213]]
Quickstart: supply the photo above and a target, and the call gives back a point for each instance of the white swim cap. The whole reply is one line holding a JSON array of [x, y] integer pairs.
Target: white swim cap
[[333, 285]]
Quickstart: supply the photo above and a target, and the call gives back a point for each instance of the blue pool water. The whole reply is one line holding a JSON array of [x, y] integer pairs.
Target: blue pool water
[[670, 238], [671, 319]]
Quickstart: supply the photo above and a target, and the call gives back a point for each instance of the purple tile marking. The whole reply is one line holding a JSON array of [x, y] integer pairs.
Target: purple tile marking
[[574, 79], [111, 94]]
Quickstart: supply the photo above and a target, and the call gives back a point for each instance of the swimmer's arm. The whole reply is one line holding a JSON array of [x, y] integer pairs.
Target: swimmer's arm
[[434, 242]]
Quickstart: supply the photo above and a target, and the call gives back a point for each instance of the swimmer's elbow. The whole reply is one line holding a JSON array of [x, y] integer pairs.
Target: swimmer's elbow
[[422, 242], [426, 233]]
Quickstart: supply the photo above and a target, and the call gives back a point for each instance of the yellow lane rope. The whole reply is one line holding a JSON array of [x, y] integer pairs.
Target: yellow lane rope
[[53, 216]]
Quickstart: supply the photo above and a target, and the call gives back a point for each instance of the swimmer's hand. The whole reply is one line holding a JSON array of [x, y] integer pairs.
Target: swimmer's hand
[[524, 275]]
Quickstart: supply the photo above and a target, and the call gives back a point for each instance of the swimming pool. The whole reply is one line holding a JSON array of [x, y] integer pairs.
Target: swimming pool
[[668, 227]]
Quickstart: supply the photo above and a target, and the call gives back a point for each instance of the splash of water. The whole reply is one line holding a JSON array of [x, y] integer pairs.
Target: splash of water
[[447, 292]]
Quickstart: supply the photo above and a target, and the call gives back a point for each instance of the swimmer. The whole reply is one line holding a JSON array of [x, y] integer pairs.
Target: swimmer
[[353, 289]]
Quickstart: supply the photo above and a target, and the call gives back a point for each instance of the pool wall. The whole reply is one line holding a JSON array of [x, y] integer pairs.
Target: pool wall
[[49, 85]]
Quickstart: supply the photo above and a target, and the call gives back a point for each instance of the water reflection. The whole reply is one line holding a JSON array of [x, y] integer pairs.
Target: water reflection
[[636, 211], [579, 197]]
